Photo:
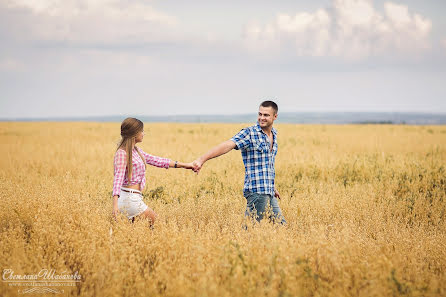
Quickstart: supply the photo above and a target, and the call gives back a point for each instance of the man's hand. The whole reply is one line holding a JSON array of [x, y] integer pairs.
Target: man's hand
[[276, 193]]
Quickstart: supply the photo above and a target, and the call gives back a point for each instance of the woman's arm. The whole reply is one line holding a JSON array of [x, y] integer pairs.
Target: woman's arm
[[154, 160], [120, 163], [180, 165], [163, 162], [115, 206]]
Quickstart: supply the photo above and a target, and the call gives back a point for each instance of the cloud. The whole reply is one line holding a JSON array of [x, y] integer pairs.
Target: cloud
[[11, 65], [87, 21], [352, 29]]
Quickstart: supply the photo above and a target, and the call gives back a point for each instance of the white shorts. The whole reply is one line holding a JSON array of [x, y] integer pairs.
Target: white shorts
[[131, 204]]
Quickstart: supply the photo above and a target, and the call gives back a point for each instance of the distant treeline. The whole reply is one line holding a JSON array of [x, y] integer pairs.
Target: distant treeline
[[379, 123], [387, 118]]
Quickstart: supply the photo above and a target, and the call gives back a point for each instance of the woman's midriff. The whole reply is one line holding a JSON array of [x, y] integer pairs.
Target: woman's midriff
[[134, 187]]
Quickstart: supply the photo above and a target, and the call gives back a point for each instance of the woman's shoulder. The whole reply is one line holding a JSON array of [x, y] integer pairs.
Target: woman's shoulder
[[139, 149], [120, 151]]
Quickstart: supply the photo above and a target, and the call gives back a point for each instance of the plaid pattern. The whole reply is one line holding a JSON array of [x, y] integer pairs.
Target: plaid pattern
[[258, 159], [138, 170]]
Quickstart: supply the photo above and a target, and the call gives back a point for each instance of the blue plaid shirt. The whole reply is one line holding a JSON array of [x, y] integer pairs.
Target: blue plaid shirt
[[258, 159]]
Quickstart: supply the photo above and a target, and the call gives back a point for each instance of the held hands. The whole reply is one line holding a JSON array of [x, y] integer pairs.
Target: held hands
[[197, 164], [191, 165]]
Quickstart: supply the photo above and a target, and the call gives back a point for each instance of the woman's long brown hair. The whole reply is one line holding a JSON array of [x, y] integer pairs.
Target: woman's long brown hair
[[130, 128]]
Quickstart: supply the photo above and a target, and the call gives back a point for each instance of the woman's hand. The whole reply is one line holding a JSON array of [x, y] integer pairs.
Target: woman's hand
[[188, 166], [115, 212]]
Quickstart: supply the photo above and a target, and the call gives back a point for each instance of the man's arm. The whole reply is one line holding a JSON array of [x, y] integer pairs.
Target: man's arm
[[214, 152]]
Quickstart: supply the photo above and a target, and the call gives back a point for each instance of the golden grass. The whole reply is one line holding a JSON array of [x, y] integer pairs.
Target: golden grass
[[365, 207]]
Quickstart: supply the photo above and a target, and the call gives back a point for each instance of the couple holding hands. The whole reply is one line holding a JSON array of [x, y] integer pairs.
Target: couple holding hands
[[258, 145]]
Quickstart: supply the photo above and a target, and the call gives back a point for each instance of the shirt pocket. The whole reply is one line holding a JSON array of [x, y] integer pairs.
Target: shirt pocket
[[260, 147]]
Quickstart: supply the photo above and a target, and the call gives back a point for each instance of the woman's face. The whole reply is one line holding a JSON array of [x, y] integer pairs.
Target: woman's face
[[139, 136]]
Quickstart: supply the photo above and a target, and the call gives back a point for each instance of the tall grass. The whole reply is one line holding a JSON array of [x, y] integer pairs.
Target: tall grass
[[365, 207]]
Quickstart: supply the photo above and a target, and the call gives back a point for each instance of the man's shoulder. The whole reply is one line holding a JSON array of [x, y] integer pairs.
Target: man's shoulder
[[253, 129], [249, 130], [274, 130]]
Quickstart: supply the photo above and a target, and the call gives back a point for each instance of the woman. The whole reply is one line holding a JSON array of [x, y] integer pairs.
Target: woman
[[130, 168]]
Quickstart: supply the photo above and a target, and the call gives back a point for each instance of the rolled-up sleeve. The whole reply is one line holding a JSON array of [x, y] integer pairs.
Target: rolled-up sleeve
[[242, 139], [120, 164], [155, 161]]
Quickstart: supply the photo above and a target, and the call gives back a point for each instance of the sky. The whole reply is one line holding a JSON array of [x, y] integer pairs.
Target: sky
[[80, 58]]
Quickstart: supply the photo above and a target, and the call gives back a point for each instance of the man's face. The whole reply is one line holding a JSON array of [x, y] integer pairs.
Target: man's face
[[266, 116]]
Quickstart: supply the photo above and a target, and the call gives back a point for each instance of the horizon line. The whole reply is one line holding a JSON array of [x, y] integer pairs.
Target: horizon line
[[78, 117]]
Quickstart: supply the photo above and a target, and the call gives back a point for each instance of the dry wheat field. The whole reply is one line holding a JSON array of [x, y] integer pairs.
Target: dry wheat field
[[365, 206]]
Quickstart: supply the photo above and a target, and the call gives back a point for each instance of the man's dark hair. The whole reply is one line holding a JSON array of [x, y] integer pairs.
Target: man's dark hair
[[270, 104]]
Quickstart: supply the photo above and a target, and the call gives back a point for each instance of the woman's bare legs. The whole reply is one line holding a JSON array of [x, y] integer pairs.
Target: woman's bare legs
[[149, 214]]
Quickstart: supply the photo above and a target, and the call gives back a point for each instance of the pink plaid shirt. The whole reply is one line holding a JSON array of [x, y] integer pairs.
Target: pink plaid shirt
[[138, 171]]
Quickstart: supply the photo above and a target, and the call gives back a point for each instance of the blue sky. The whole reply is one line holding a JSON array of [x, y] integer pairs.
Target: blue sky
[[112, 57]]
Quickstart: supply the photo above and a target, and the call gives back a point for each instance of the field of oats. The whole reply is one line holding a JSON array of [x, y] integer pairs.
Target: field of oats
[[365, 207]]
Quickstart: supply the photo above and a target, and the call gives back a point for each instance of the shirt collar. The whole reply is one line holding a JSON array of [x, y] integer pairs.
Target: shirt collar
[[259, 129]]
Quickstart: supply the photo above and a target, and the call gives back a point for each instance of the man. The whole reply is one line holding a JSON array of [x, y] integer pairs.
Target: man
[[258, 145]]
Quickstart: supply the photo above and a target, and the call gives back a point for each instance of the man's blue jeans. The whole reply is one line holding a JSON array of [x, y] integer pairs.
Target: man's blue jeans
[[256, 204]]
